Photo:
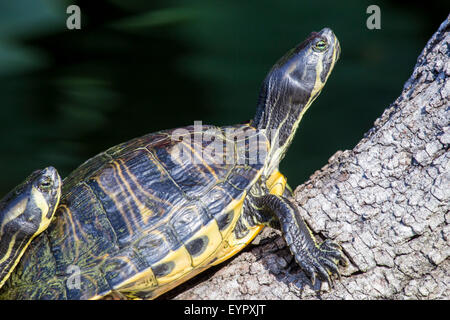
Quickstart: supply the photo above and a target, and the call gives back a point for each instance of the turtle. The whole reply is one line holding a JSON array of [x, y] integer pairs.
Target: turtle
[[26, 212], [144, 216]]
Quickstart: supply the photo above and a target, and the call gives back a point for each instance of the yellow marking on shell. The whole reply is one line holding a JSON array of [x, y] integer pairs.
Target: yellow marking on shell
[[235, 206], [276, 184], [117, 204], [143, 211], [200, 264], [200, 157], [146, 213], [183, 264], [232, 245], [93, 281], [124, 185], [211, 231], [159, 290], [154, 159], [12, 214], [127, 261], [68, 214], [141, 282], [187, 266], [77, 224]]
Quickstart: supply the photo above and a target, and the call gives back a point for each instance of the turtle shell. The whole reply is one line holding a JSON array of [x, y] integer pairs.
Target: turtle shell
[[143, 216]]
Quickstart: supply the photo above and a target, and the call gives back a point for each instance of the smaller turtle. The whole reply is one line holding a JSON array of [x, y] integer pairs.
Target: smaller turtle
[[26, 212]]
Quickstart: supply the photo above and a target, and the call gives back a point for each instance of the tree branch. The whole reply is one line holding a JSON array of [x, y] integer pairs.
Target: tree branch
[[386, 202]]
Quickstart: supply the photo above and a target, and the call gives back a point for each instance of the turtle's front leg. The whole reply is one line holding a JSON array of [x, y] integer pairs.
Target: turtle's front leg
[[314, 259]]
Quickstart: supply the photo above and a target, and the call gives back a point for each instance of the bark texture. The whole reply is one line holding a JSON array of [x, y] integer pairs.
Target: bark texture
[[386, 202]]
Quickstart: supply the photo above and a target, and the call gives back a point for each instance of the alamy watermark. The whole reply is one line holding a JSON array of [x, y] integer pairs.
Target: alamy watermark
[[74, 279], [73, 21], [374, 20], [213, 145]]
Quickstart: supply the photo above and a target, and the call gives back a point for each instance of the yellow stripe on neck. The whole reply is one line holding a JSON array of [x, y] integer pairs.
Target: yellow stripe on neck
[[42, 204], [12, 214]]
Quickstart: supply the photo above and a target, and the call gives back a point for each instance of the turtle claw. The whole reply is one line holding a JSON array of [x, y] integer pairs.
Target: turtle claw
[[334, 250], [322, 262]]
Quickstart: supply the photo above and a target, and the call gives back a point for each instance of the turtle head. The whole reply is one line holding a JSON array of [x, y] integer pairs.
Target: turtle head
[[293, 83], [26, 212], [300, 74], [29, 208], [46, 187]]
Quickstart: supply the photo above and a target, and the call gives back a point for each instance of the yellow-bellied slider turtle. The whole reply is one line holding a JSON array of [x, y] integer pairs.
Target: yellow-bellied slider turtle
[[26, 212], [148, 214]]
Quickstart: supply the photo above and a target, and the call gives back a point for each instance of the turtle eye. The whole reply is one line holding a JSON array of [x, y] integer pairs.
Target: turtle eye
[[45, 184], [320, 45]]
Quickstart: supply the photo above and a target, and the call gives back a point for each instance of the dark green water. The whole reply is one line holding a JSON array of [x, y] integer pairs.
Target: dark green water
[[140, 66]]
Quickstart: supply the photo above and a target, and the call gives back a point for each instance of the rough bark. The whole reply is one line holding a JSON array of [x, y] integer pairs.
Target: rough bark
[[386, 202]]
